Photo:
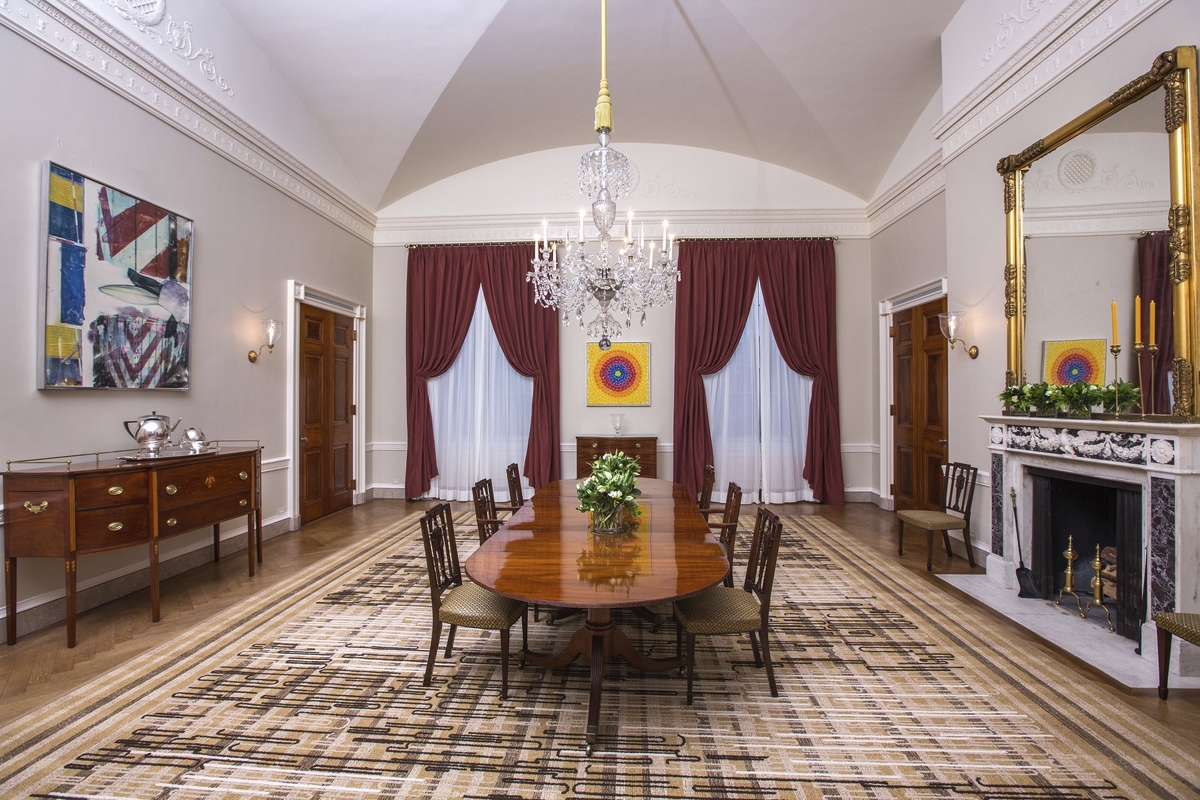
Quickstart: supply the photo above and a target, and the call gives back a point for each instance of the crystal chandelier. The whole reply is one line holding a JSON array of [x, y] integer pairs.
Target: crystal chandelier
[[627, 281]]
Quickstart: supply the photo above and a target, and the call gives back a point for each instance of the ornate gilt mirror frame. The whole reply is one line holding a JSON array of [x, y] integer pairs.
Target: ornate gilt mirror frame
[[1175, 70]]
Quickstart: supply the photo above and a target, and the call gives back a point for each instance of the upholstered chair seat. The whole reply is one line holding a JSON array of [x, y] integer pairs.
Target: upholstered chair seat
[[931, 520], [472, 606], [720, 610], [1169, 624]]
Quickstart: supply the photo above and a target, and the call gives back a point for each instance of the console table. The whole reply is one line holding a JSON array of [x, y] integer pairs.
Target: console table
[[643, 449], [64, 509]]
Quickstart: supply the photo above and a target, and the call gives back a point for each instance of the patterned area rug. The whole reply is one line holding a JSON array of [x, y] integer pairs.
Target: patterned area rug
[[889, 688]]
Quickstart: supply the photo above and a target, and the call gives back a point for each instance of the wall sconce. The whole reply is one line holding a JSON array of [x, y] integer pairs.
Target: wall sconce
[[952, 323], [271, 329]]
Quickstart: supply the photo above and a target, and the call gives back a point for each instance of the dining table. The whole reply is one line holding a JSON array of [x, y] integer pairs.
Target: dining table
[[545, 554]]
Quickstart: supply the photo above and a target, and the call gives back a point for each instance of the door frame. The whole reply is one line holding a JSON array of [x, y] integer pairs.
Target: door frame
[[298, 293], [914, 297]]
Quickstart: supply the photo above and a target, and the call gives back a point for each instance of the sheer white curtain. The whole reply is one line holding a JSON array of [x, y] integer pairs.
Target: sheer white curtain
[[758, 413], [481, 408]]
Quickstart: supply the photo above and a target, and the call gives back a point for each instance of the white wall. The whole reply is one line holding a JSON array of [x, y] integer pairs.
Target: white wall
[[249, 239]]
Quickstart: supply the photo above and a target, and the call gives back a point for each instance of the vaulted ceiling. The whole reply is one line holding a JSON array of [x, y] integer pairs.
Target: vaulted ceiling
[[412, 92]]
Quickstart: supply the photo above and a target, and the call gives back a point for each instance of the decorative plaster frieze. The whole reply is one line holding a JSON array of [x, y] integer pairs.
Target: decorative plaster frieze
[[1099, 219], [1116, 447], [910, 192], [147, 14], [78, 36], [1053, 53], [842, 223]]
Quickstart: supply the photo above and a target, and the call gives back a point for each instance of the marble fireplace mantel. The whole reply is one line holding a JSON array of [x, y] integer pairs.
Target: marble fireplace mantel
[[1161, 457]]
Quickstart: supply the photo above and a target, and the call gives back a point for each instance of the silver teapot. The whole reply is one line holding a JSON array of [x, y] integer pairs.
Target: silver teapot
[[193, 439], [153, 431]]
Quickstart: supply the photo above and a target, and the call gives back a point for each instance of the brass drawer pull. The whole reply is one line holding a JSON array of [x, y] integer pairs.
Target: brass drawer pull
[[638, 445], [172, 488], [243, 475], [115, 526], [241, 502], [595, 444], [172, 522], [39, 508], [116, 490]]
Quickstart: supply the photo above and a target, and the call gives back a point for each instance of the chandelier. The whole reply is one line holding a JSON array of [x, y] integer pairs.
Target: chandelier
[[627, 281]]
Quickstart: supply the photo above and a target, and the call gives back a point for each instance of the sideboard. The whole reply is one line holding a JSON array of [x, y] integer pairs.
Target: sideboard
[[65, 509], [643, 449]]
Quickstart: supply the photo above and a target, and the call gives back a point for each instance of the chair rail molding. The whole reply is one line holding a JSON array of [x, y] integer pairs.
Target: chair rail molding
[[844, 223], [1054, 52], [80, 37]]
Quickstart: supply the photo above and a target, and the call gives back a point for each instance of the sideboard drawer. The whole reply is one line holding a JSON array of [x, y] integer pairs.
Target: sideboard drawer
[[114, 489], [181, 520], [643, 449], [36, 522], [108, 528], [195, 483]]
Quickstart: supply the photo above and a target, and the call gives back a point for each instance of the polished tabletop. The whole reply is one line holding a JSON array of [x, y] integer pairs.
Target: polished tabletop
[[544, 553]]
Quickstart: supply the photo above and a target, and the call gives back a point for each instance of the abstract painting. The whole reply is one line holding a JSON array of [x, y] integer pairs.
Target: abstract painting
[[118, 288], [619, 376], [1069, 360]]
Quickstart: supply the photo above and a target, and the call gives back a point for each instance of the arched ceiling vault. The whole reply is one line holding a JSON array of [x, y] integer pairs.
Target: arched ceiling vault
[[414, 92]]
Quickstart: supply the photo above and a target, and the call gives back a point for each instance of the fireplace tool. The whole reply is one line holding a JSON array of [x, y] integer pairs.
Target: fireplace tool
[[1024, 576]]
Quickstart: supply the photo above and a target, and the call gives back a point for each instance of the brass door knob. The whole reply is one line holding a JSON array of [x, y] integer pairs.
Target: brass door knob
[[39, 508], [172, 522], [116, 490], [115, 526], [172, 488]]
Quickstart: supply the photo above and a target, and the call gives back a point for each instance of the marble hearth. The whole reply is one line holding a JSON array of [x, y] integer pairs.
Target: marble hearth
[[1163, 459]]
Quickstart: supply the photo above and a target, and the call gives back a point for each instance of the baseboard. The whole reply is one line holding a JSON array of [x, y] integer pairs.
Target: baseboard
[[886, 503], [861, 496], [386, 493], [52, 609]]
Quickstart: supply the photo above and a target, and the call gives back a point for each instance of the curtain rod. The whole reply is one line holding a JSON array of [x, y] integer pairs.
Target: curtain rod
[[1147, 233], [759, 239], [471, 244]]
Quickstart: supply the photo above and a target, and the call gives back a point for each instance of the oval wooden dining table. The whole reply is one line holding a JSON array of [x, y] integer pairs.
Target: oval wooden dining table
[[544, 554]]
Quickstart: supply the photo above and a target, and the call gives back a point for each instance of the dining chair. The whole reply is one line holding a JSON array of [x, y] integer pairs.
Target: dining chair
[[722, 610], [467, 604], [705, 502], [958, 493], [486, 520], [728, 526], [1170, 624], [516, 495]]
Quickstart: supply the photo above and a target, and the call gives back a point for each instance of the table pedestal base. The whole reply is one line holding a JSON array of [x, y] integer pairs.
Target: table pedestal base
[[599, 641]]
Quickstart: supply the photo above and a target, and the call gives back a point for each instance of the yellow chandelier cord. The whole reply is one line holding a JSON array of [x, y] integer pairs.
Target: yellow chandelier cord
[[604, 115]]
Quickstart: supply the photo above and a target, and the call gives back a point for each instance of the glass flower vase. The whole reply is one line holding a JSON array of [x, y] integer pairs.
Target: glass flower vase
[[607, 520]]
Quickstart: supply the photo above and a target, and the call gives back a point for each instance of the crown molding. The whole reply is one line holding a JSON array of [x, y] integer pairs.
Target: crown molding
[[908, 194], [1097, 219], [1051, 55], [74, 33], [844, 223]]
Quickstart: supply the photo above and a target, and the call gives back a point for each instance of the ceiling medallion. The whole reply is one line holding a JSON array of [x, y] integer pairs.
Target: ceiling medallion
[[628, 281]]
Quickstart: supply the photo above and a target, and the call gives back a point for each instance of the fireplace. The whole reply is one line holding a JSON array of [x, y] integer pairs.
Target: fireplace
[[1090, 513]]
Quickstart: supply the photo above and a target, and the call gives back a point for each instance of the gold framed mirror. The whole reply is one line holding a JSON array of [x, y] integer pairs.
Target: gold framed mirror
[[1173, 75]]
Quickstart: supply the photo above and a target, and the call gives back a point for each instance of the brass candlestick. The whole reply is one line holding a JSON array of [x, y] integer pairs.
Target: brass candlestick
[[1069, 586], [1152, 349], [1097, 592], [1138, 347], [1116, 353]]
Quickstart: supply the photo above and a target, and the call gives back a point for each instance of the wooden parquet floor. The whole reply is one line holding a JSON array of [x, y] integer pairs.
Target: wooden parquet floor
[[40, 668]]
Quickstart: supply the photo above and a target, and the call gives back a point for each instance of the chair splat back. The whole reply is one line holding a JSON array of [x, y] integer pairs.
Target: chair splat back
[[485, 509], [706, 489], [729, 520], [516, 497], [441, 551], [764, 550], [959, 488]]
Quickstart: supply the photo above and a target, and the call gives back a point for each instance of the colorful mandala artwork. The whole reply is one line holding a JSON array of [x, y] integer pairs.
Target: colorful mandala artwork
[[619, 376], [1072, 360]]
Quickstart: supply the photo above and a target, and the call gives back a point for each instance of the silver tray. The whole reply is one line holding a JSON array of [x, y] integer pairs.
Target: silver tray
[[174, 452]]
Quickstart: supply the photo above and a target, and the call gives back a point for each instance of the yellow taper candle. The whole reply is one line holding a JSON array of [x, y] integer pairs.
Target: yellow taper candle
[[1114, 320], [1151, 323], [1137, 319]]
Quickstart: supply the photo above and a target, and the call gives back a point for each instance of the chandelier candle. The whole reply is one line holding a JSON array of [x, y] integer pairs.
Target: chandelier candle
[[628, 281]]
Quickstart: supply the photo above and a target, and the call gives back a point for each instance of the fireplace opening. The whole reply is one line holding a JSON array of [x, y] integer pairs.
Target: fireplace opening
[[1089, 513]]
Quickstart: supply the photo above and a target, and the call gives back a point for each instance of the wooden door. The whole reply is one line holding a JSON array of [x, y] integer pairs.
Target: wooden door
[[920, 441], [326, 412]]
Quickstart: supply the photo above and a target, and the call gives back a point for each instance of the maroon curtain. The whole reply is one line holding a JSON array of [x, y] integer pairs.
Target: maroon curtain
[[528, 335], [713, 303], [443, 284], [711, 308], [1154, 283], [799, 291]]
